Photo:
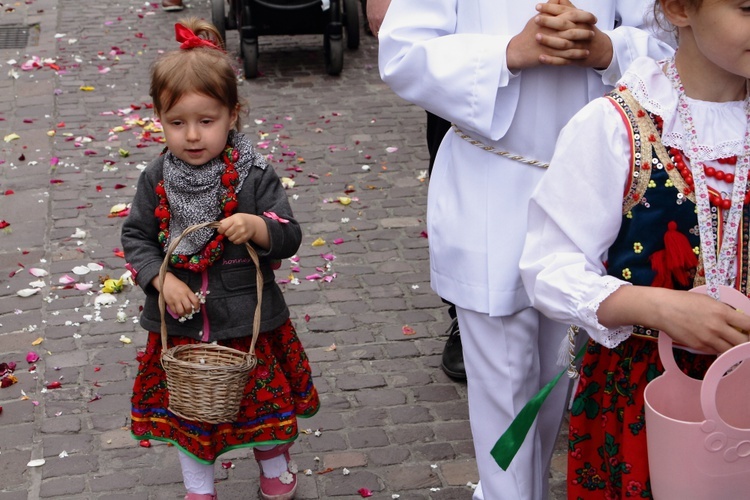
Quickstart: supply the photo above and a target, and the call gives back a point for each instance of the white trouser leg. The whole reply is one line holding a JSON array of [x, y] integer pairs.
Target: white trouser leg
[[508, 359], [198, 477]]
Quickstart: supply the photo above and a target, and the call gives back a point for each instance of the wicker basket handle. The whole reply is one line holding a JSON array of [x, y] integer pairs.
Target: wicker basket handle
[[163, 273]]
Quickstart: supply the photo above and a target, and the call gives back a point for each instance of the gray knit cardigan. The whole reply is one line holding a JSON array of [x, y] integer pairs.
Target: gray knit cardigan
[[230, 303]]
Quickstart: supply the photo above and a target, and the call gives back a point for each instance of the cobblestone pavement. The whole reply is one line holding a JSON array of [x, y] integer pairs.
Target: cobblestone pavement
[[75, 129]]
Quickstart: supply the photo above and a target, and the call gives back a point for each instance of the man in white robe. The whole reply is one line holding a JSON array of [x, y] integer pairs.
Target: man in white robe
[[509, 77]]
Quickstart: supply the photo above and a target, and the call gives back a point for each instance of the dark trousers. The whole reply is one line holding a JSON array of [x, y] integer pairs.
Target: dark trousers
[[436, 130]]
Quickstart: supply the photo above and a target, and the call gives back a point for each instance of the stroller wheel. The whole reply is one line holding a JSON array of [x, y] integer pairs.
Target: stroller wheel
[[218, 19], [351, 23], [333, 48], [249, 49]]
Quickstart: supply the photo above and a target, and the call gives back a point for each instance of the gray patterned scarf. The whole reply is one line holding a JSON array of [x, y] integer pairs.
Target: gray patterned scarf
[[194, 192]]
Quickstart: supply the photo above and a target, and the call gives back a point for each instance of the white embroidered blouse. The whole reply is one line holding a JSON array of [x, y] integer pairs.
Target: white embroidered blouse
[[576, 209]]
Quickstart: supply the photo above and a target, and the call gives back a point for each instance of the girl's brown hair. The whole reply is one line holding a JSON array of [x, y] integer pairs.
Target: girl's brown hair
[[204, 70]]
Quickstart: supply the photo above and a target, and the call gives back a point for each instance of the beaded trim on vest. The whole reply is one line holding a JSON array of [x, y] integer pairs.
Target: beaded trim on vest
[[647, 153]]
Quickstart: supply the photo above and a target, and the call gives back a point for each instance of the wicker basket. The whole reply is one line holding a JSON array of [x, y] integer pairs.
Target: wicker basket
[[206, 382]]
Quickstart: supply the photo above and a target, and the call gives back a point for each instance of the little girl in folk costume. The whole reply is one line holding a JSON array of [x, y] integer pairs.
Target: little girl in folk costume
[[211, 172], [674, 135]]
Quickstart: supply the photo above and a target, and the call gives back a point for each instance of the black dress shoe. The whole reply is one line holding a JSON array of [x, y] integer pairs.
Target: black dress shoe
[[453, 355]]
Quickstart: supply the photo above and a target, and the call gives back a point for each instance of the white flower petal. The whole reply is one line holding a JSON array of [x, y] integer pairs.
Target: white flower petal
[[105, 299], [81, 270], [95, 267], [38, 272], [27, 292]]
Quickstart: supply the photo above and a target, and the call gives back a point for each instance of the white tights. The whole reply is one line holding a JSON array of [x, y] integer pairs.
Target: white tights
[[199, 477]]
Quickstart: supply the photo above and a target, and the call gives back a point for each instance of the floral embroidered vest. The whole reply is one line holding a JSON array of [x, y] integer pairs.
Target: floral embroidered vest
[[659, 227]]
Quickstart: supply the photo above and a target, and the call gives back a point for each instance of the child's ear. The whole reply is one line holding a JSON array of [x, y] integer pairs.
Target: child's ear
[[234, 115], [676, 12]]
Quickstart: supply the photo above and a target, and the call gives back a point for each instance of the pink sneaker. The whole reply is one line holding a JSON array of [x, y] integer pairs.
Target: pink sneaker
[[200, 496], [284, 486]]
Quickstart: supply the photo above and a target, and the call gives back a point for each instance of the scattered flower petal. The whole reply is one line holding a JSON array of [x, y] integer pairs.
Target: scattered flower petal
[[38, 272], [27, 292], [407, 330], [66, 280], [36, 463], [364, 492], [105, 299], [125, 340], [81, 270], [319, 242]]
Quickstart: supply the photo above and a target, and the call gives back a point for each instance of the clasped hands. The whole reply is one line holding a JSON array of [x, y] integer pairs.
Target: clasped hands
[[560, 34]]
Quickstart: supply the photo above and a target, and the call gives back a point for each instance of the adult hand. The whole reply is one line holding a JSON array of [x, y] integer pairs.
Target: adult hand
[[574, 37], [558, 35], [376, 10]]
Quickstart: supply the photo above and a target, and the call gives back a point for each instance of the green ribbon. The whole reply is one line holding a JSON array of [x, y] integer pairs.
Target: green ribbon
[[507, 446]]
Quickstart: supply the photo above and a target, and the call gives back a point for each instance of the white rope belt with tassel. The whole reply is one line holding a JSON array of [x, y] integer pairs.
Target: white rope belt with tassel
[[493, 150]]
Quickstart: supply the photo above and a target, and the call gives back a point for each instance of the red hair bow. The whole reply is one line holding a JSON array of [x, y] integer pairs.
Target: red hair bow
[[190, 40]]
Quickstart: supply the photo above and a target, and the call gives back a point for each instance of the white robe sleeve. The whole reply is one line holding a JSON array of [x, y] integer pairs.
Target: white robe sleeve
[[456, 75], [574, 216]]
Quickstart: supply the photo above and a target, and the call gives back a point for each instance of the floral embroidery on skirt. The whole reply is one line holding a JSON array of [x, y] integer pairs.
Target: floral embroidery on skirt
[[607, 421], [279, 390]]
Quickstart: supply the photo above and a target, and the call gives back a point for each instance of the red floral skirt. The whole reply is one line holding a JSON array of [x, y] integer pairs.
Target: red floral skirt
[[279, 390], [607, 453]]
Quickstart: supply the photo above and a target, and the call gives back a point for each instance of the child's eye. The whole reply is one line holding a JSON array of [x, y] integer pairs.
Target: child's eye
[[206, 121]]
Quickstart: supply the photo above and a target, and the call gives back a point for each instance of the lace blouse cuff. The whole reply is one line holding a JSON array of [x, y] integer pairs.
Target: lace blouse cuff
[[608, 337]]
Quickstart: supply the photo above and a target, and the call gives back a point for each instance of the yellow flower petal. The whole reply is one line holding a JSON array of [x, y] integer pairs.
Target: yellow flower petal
[[319, 242], [12, 137], [38, 341]]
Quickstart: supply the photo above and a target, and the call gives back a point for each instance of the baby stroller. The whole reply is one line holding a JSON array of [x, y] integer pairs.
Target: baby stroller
[[254, 18]]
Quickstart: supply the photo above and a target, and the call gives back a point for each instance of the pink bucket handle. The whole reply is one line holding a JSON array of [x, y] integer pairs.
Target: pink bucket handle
[[714, 375], [728, 295], [725, 361]]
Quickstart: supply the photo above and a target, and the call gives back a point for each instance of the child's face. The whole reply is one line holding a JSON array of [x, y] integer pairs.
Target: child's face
[[721, 29], [196, 128]]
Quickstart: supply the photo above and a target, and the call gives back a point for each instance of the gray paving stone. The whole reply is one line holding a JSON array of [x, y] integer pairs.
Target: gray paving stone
[[389, 412]]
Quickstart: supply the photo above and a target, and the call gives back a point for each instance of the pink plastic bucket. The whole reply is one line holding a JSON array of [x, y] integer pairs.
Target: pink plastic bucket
[[698, 432]]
